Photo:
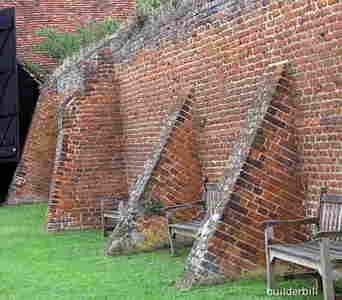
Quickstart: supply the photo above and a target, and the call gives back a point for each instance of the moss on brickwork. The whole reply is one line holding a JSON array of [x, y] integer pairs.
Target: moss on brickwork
[[155, 232], [134, 235]]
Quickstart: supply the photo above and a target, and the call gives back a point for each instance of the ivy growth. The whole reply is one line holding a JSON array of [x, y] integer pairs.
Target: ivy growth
[[60, 45]]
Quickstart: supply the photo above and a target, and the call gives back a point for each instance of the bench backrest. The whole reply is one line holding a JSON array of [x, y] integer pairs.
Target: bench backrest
[[330, 212], [112, 203], [212, 196]]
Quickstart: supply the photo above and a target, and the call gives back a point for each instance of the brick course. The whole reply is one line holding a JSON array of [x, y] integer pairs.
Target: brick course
[[222, 57], [262, 182], [171, 176], [177, 178], [62, 15], [89, 167]]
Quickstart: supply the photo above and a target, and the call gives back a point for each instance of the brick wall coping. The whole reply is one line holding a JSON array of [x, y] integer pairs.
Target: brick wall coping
[[144, 32]]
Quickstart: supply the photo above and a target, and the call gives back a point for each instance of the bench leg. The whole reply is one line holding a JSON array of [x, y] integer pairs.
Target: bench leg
[[326, 271], [172, 237], [105, 230], [108, 231], [328, 287], [319, 284], [269, 259], [104, 226], [270, 273]]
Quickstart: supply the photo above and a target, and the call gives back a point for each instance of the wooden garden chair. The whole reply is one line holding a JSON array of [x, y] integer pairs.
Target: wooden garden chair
[[110, 217], [323, 253], [210, 197]]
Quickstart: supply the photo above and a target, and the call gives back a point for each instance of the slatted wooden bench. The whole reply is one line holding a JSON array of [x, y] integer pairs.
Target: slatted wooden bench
[[323, 253], [110, 217], [114, 217], [210, 197]]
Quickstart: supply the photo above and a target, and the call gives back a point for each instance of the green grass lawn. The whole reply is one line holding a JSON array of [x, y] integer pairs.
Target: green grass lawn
[[37, 265]]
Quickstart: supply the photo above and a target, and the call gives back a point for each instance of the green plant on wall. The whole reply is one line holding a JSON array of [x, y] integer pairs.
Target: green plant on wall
[[60, 45], [154, 4], [96, 31], [149, 4], [153, 207]]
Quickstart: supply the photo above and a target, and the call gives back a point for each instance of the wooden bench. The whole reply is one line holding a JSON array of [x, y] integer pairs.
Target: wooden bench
[[323, 253], [211, 195], [110, 217]]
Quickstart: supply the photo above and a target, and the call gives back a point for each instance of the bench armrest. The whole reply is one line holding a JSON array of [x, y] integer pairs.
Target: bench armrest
[[327, 234], [171, 210], [185, 205], [269, 229], [296, 221]]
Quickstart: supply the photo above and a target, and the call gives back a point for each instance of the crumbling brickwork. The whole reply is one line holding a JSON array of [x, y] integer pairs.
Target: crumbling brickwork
[[89, 169]]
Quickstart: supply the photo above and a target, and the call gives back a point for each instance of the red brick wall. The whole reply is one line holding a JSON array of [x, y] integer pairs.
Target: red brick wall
[[144, 104], [225, 64], [61, 14], [89, 167], [268, 186], [223, 61], [177, 179]]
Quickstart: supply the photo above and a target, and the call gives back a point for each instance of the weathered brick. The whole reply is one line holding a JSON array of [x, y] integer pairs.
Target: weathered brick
[[297, 150], [65, 16]]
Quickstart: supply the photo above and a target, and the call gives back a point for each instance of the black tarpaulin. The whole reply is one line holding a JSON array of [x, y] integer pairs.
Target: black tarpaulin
[[9, 109]]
